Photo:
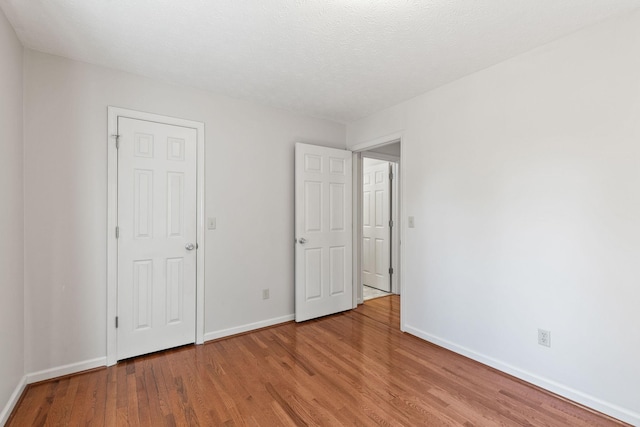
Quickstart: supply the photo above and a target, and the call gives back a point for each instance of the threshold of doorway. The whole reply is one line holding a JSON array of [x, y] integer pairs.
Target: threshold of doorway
[[370, 293]]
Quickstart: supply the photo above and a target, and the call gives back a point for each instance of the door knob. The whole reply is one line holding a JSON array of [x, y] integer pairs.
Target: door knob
[[302, 240], [189, 246]]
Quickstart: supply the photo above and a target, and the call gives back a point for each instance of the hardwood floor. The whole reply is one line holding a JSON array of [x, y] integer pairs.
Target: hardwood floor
[[354, 368]]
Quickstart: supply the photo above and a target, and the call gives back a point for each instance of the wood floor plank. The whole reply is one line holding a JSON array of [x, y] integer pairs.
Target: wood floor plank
[[353, 368]]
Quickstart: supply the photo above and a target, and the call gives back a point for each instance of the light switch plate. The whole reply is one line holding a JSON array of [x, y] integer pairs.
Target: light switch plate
[[211, 223], [412, 223]]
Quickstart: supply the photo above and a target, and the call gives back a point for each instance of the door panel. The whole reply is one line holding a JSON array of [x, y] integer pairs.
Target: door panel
[[323, 283], [376, 208], [338, 260], [156, 220], [142, 294]]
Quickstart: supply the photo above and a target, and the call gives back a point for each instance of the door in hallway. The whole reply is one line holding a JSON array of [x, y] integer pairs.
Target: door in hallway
[[376, 230]]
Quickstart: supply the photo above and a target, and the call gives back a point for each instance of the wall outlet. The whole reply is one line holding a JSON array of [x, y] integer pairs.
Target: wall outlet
[[544, 337], [265, 294]]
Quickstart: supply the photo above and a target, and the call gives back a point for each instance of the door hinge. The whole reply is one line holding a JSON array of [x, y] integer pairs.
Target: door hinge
[[390, 270], [390, 176], [117, 232], [116, 322], [391, 223], [117, 137]]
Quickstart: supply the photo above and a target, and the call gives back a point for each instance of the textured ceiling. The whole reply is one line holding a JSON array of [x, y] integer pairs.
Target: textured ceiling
[[337, 59]]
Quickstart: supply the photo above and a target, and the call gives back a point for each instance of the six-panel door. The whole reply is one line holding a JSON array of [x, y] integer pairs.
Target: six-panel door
[[157, 236], [323, 208], [376, 232]]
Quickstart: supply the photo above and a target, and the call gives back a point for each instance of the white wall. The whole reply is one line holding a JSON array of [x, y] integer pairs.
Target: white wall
[[390, 149], [524, 180], [11, 217], [367, 162], [249, 189]]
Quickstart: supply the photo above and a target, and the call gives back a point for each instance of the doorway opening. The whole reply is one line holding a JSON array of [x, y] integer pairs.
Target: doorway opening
[[377, 227], [377, 204]]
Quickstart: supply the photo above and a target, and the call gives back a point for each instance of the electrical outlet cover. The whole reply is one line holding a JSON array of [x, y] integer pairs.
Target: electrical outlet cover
[[544, 337]]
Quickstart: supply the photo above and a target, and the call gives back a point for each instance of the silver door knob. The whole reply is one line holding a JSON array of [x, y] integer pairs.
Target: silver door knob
[[189, 246], [302, 240]]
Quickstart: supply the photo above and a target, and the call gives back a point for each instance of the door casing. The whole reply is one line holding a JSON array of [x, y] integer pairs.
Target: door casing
[[395, 215], [112, 219]]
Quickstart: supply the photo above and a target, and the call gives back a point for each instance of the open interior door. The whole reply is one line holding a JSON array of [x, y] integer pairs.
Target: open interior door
[[323, 231]]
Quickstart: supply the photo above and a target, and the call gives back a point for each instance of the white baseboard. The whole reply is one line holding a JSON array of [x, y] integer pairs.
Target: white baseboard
[[13, 400], [585, 399], [60, 371], [208, 336]]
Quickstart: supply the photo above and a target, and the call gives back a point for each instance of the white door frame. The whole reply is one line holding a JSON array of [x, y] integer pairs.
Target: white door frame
[[396, 278], [357, 214], [112, 218], [390, 162]]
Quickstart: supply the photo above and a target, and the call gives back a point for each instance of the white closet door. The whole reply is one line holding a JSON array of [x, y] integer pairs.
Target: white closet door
[[157, 236]]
